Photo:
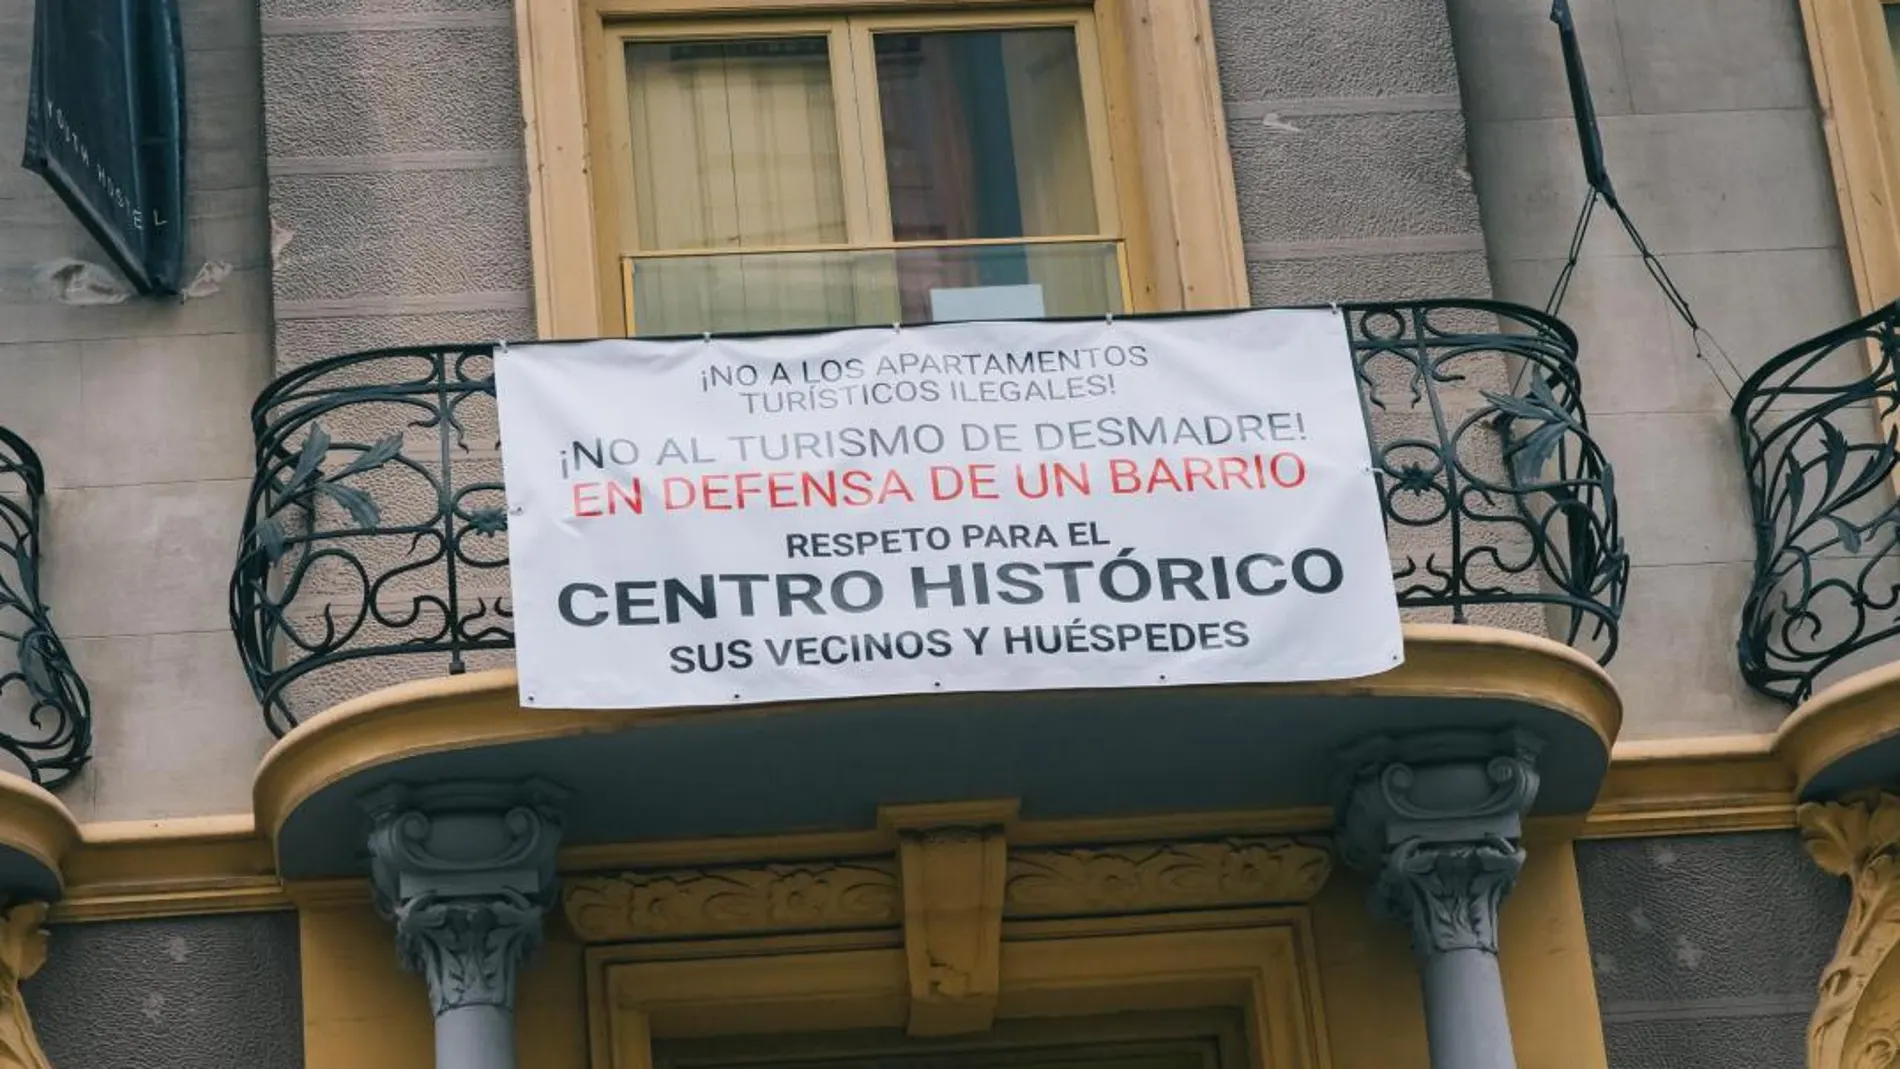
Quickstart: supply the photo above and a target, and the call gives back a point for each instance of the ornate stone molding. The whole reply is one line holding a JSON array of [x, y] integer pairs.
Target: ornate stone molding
[[22, 952], [1437, 819], [465, 871], [1853, 1022], [1145, 877], [820, 896], [952, 879]]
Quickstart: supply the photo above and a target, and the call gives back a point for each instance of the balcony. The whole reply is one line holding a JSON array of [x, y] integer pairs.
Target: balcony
[[375, 552], [1819, 627], [45, 709]]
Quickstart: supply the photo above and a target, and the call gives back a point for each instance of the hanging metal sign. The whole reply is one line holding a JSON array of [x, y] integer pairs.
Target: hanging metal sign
[[105, 127], [954, 507]]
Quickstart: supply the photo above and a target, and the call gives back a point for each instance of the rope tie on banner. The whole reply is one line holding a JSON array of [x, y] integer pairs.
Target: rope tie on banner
[[501, 347]]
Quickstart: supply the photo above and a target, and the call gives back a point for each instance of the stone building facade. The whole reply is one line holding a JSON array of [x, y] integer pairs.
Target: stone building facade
[[1706, 876]]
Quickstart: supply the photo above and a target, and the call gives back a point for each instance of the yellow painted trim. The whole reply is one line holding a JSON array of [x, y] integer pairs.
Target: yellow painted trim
[[162, 868], [1260, 962], [560, 200], [329, 893], [1691, 787], [35, 823], [998, 813], [1859, 94], [480, 709], [134, 869], [1550, 991], [1178, 120], [1851, 715]]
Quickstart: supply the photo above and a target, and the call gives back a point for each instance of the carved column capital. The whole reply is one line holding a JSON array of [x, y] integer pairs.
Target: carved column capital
[[1449, 892], [466, 872], [1436, 819], [1859, 838]]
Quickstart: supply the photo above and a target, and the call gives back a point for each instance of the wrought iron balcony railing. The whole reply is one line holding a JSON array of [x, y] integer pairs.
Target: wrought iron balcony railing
[[1818, 441], [45, 709], [375, 546]]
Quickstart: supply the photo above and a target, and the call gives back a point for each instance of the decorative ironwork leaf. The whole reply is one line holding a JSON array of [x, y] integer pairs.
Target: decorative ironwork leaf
[[34, 669], [1536, 450], [1849, 534], [315, 448], [270, 536], [1519, 407], [1540, 389], [1584, 561], [489, 521], [361, 508], [1791, 488], [1413, 478], [29, 570], [1834, 452], [374, 457]]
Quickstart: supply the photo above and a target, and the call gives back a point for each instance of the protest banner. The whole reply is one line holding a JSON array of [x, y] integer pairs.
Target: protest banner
[[988, 506]]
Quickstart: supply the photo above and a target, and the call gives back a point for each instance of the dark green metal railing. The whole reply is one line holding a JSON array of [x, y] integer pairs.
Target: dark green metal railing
[[1818, 446], [46, 722], [376, 530]]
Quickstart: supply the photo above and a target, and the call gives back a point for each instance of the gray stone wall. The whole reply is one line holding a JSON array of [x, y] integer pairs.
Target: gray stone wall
[[399, 217], [1348, 142], [1707, 948], [139, 410], [398, 182], [200, 992], [1715, 147]]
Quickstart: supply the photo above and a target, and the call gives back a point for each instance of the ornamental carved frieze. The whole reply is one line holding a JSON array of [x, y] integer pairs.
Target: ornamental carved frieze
[[816, 896], [1857, 1014], [1145, 877], [22, 952]]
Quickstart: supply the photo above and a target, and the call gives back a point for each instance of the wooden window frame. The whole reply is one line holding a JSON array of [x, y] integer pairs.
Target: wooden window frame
[[865, 184], [1217, 1038], [1259, 963], [1171, 172], [1859, 94]]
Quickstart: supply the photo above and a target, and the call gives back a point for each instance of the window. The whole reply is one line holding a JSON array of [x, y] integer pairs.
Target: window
[[879, 169]]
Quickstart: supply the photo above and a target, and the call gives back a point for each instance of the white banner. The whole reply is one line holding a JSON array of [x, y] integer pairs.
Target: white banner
[[957, 507]]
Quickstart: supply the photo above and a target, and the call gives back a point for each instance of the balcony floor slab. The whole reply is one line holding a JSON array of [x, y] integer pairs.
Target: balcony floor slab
[[671, 774]]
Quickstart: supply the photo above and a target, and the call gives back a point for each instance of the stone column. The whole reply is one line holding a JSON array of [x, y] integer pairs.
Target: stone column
[[1436, 819], [466, 871]]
